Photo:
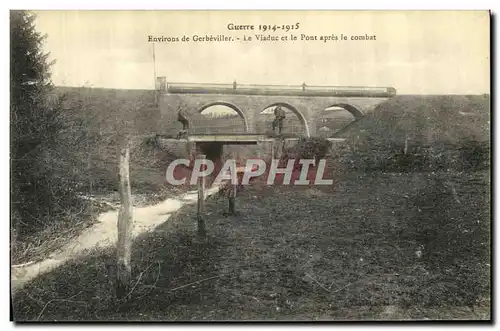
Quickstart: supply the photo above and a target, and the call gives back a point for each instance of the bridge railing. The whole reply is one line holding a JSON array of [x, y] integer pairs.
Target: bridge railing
[[304, 89]]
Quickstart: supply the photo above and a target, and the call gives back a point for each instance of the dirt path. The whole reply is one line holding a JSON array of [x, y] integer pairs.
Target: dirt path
[[103, 234]]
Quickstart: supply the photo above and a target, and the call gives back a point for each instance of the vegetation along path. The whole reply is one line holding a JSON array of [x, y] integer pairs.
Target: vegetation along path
[[103, 234]]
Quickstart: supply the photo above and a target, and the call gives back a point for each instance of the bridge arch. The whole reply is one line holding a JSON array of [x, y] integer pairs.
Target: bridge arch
[[297, 113], [337, 119], [350, 108], [229, 105]]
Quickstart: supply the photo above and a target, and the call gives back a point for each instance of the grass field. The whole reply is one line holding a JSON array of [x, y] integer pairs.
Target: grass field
[[345, 252]]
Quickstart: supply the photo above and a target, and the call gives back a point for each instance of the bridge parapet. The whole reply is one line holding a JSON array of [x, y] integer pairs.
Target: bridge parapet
[[307, 103], [287, 90]]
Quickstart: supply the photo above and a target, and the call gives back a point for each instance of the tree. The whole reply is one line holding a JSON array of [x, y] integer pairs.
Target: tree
[[35, 123]]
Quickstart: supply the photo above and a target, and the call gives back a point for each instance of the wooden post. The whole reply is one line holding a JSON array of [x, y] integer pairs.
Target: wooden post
[[189, 149], [258, 152], [125, 222], [272, 149], [232, 197], [201, 204], [406, 145], [89, 172], [232, 192]]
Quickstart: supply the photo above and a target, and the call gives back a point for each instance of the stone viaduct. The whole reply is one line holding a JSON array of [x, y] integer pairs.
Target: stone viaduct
[[306, 102]]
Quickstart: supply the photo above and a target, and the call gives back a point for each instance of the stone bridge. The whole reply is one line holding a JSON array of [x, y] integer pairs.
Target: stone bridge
[[306, 102]]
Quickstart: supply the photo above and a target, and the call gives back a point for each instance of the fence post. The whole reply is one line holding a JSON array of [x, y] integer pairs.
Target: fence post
[[232, 200], [273, 142], [406, 145], [233, 189], [232, 196], [201, 204], [125, 222]]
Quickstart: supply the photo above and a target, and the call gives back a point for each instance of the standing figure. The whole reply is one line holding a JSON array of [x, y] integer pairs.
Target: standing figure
[[185, 123], [279, 114]]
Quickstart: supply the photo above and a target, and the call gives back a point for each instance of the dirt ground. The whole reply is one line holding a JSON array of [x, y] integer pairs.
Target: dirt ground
[[363, 248]]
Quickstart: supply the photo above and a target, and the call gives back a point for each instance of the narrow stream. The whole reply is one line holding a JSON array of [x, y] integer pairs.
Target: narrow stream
[[104, 234]]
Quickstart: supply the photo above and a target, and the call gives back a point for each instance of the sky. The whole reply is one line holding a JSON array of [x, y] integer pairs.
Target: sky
[[420, 52]]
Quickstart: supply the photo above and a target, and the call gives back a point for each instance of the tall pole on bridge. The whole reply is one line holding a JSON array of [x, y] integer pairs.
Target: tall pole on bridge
[[154, 75]]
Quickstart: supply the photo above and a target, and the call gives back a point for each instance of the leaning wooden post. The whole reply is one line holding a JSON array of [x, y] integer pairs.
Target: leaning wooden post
[[232, 199], [201, 204], [125, 222], [272, 149], [406, 145], [232, 192]]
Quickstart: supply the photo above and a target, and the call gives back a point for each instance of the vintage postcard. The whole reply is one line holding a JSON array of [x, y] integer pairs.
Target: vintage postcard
[[250, 165]]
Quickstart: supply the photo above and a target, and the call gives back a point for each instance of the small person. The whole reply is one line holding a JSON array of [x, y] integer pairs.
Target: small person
[[185, 124], [280, 115]]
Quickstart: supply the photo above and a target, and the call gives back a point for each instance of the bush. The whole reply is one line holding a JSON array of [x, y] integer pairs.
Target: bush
[[36, 123], [51, 143], [421, 134], [464, 156], [475, 154], [310, 148]]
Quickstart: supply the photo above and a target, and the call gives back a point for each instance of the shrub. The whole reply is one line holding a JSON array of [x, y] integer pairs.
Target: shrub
[[475, 154], [37, 122], [421, 134], [310, 148]]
